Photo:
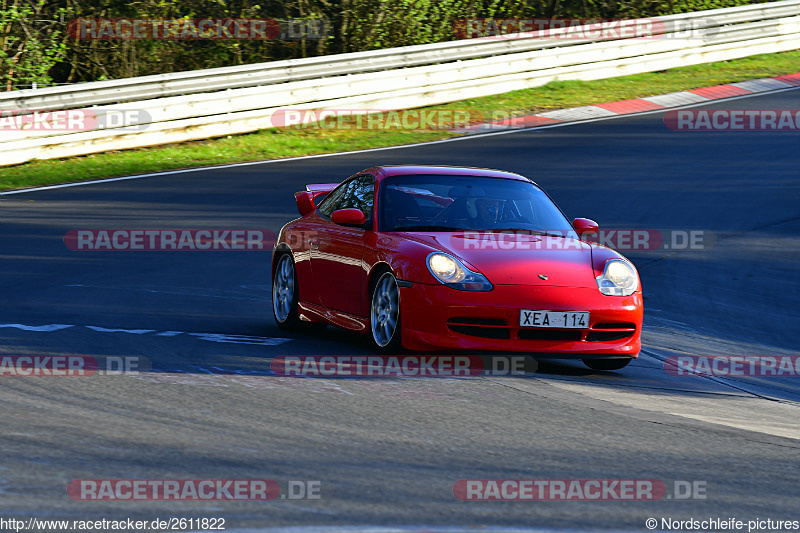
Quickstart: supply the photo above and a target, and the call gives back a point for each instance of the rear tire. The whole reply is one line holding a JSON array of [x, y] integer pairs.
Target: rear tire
[[384, 314], [284, 293], [607, 364]]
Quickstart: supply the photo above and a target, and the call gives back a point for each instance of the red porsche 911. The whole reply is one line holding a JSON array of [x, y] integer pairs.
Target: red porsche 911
[[450, 258]]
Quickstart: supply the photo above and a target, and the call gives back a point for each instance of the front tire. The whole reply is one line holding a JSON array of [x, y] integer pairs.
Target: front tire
[[384, 314], [284, 293], [607, 364]]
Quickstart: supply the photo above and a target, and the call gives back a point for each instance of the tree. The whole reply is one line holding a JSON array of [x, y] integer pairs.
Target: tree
[[32, 41]]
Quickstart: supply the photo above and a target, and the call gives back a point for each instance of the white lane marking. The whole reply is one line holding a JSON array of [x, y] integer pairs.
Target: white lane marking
[[762, 85], [212, 337], [47, 327], [117, 330], [239, 339], [415, 145], [578, 113], [676, 99]]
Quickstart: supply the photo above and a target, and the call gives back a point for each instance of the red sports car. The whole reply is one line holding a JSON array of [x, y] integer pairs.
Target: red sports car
[[447, 258]]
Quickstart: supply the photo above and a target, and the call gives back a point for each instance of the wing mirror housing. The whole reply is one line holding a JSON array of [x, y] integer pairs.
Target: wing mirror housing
[[585, 226], [305, 202], [349, 217]]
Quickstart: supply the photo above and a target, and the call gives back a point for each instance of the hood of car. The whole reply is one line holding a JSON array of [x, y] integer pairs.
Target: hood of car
[[518, 259]]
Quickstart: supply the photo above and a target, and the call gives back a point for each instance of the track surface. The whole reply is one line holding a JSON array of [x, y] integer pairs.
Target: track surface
[[387, 452]]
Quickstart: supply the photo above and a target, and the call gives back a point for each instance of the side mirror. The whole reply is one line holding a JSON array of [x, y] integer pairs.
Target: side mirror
[[349, 217], [305, 202], [585, 226]]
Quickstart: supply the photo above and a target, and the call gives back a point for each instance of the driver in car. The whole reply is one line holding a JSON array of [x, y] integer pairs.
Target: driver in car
[[484, 213], [473, 208]]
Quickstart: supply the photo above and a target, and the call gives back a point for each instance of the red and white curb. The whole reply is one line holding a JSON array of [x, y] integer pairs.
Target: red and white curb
[[639, 105]]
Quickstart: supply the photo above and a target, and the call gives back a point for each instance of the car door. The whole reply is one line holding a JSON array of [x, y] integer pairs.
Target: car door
[[337, 261]]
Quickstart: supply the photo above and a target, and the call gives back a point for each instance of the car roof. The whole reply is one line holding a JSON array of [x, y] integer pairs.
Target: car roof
[[401, 170]]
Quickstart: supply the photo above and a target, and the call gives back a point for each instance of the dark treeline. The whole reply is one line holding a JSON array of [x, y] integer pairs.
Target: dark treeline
[[37, 48]]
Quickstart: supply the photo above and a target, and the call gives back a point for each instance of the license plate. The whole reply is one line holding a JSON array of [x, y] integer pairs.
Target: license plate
[[553, 319]]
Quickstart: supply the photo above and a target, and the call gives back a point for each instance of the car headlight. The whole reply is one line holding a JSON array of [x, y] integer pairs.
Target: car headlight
[[618, 279], [451, 272]]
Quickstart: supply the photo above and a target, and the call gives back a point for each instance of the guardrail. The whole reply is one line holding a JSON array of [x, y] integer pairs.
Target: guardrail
[[201, 104]]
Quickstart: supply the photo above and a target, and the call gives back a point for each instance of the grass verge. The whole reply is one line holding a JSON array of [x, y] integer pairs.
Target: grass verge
[[282, 143]]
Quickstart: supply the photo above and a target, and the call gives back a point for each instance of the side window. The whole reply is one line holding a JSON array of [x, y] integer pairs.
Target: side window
[[357, 193], [363, 195], [335, 199]]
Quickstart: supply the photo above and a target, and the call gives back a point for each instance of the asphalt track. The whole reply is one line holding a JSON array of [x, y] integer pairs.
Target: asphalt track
[[388, 452]]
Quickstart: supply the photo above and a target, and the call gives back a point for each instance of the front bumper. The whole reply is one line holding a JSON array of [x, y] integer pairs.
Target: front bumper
[[435, 317]]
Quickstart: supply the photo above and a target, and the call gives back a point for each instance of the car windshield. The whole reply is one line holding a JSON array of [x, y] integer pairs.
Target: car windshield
[[455, 203]]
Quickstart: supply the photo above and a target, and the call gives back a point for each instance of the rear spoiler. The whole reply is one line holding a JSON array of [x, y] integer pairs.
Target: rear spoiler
[[307, 200], [321, 187]]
